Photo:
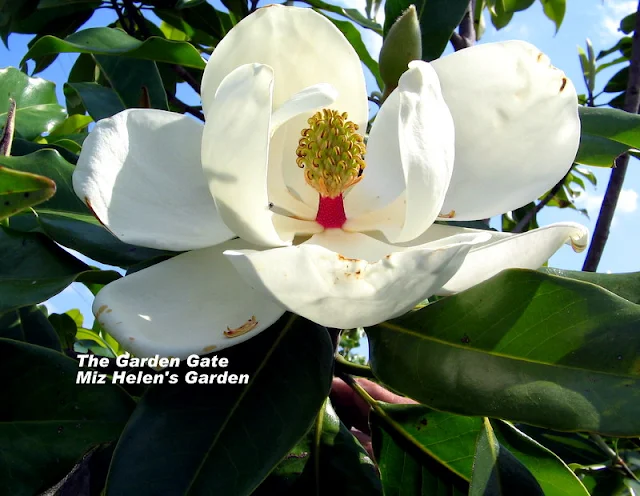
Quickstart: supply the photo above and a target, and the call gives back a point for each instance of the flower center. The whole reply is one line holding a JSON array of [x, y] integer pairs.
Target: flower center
[[331, 152]]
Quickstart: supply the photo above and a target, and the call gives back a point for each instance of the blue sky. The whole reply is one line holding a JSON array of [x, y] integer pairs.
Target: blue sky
[[597, 20]]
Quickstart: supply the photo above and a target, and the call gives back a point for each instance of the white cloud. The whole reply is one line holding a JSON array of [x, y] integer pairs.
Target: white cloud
[[627, 204], [611, 12], [628, 201]]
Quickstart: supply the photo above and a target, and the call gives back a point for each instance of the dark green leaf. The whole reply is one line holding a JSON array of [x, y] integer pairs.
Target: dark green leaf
[[438, 19], [450, 440], [554, 10], [497, 472], [23, 147], [65, 327], [108, 41], [47, 421], [50, 164], [562, 354], [407, 467], [37, 109], [616, 125], [218, 442], [29, 324], [624, 45], [134, 81], [21, 190], [598, 151], [628, 23], [625, 285], [500, 17], [618, 81], [33, 269], [100, 102]]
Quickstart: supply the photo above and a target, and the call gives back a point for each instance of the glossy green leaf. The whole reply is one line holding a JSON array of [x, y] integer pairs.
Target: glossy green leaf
[[99, 101], [626, 285], [202, 23], [450, 440], [598, 151], [562, 354], [49, 163], [21, 190], [108, 41], [71, 125], [37, 108], [407, 467], [136, 82], [554, 10], [290, 368], [616, 125], [497, 472], [29, 324], [500, 17], [33, 269], [47, 421], [438, 19], [353, 35]]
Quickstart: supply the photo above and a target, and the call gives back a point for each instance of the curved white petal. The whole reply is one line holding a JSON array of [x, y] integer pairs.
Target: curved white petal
[[345, 280], [140, 173], [517, 127], [410, 150], [302, 47], [529, 250], [184, 306]]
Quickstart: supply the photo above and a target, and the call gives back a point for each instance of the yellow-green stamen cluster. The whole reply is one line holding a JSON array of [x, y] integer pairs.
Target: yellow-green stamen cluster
[[331, 152]]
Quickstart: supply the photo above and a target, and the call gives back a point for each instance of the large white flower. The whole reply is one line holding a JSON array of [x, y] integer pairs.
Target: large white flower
[[280, 163]]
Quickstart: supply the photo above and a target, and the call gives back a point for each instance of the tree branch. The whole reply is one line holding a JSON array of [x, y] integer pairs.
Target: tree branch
[[188, 109], [531, 213], [466, 28], [631, 104]]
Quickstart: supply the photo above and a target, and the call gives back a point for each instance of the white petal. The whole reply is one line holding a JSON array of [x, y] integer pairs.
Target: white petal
[[235, 150], [345, 280], [529, 250], [184, 306], [140, 173], [302, 47], [517, 127], [410, 149]]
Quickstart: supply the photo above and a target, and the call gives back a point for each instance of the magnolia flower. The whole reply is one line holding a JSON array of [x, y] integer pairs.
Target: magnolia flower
[[280, 205]]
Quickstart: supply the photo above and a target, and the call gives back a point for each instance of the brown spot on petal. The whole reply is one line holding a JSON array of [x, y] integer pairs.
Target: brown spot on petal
[[131, 338], [345, 259], [209, 349], [243, 329], [109, 310], [564, 83], [100, 310]]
